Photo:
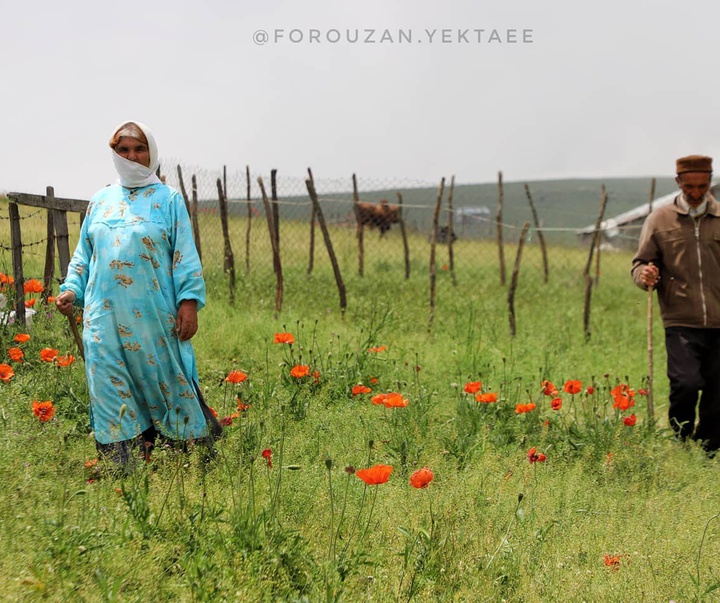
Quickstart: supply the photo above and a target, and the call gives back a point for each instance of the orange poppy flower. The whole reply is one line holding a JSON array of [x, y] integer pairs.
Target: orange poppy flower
[[236, 377], [549, 389], [284, 338], [623, 397], [32, 286], [299, 371], [43, 410], [535, 457], [473, 387], [488, 398], [375, 475], [267, 455], [421, 478], [373, 380], [30, 303], [51, 299], [630, 421], [16, 354], [213, 411], [64, 360], [360, 389], [21, 338], [572, 387], [556, 403], [48, 354], [390, 400], [523, 408], [6, 373], [241, 405], [316, 376], [91, 463], [613, 561], [377, 349]]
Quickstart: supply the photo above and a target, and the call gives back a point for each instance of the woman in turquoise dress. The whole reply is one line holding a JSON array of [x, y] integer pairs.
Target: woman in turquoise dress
[[137, 275]]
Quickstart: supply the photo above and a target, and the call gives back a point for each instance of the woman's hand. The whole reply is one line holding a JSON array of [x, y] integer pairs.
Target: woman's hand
[[186, 324], [64, 302]]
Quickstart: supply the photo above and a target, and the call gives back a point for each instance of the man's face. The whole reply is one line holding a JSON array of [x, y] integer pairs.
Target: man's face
[[695, 185]]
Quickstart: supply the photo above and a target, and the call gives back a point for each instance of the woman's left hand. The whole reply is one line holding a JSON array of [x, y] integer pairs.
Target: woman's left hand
[[186, 324]]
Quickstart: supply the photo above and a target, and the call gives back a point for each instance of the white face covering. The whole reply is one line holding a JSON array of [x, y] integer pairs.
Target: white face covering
[[135, 175]]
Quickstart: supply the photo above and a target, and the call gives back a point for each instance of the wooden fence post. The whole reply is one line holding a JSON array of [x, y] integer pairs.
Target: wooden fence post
[[328, 244], [181, 181], [49, 273], [403, 231], [275, 206], [277, 265], [541, 236], [433, 243], [359, 229], [514, 279], [451, 231], [249, 219], [16, 243], [499, 227], [311, 254], [194, 217], [588, 265], [229, 263]]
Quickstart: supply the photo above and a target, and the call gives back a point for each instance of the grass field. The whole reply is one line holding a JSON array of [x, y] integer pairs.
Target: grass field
[[608, 507]]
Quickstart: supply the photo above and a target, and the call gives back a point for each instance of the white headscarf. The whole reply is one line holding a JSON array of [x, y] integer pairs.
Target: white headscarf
[[132, 174]]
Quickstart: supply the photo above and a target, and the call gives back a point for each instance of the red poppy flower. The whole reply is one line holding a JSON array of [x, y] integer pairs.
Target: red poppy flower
[[473, 387], [360, 389], [390, 400], [267, 455], [630, 421], [241, 405], [549, 389], [377, 349], [32, 286], [523, 408], [572, 386], [6, 373], [590, 390], [30, 303], [421, 478], [284, 338], [535, 457], [48, 354], [623, 396], [213, 411], [556, 403], [613, 561], [236, 377], [642, 392], [227, 421], [21, 337], [51, 299], [488, 398], [16, 354], [43, 410], [316, 376], [373, 380], [299, 371], [375, 475], [64, 360]]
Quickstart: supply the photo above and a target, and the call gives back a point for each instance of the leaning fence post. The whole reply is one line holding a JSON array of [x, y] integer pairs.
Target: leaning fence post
[[328, 244], [541, 236], [277, 265], [194, 217], [403, 231], [249, 219], [229, 262], [514, 279], [588, 265], [451, 231], [311, 254]]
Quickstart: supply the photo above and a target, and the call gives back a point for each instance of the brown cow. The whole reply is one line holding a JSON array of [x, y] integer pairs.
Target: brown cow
[[381, 215]]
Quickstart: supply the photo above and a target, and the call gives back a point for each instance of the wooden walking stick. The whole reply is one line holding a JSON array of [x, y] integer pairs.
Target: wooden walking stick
[[650, 406]]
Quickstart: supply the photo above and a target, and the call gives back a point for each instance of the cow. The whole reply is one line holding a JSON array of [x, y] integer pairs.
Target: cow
[[377, 215]]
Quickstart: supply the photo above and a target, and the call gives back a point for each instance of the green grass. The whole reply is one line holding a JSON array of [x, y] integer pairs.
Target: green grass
[[491, 526]]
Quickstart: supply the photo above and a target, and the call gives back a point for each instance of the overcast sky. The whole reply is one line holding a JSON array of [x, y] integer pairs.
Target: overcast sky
[[562, 88]]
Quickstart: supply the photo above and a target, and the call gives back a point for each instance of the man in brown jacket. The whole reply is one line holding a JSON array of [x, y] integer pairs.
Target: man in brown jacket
[[679, 254]]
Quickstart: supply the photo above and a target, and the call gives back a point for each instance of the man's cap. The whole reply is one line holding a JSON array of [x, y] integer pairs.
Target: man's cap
[[694, 163]]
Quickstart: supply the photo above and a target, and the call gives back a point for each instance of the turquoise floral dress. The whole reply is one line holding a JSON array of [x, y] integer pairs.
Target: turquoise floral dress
[[134, 263]]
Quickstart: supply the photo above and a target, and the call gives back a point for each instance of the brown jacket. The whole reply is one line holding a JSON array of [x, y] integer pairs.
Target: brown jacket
[[687, 252]]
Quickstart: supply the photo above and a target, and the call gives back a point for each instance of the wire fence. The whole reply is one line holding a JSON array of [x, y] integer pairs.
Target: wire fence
[[559, 214]]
